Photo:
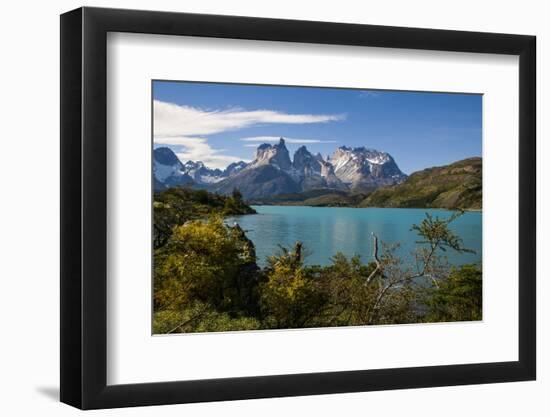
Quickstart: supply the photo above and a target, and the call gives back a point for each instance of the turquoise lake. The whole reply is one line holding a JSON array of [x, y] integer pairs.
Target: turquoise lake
[[327, 230]]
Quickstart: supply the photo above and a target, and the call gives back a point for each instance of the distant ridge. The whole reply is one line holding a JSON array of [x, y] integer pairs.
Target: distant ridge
[[454, 186], [169, 171], [356, 177]]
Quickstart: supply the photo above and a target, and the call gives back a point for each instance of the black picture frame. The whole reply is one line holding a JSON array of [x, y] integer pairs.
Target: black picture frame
[[84, 207]]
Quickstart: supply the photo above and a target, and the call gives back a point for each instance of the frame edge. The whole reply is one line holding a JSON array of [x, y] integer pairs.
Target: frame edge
[[527, 136], [70, 212], [83, 210]]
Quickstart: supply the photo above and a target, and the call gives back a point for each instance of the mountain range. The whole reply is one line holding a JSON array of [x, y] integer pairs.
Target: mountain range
[[169, 171], [272, 171]]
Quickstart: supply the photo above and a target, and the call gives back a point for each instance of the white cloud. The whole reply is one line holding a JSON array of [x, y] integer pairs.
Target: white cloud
[[198, 149], [263, 139], [175, 120], [187, 126]]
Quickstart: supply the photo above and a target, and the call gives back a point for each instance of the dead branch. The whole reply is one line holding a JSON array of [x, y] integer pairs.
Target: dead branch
[[376, 260]]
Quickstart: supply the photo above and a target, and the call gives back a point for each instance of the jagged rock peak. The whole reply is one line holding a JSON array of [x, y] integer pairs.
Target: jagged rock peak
[[168, 171], [233, 168], [276, 155], [165, 156], [365, 167], [194, 165], [304, 159]]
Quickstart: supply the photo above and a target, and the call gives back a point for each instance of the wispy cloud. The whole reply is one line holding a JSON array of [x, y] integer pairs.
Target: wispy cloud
[[175, 120], [263, 139], [198, 149], [187, 127]]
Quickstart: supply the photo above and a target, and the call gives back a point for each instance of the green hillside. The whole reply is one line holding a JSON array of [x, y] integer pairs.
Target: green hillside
[[458, 185], [315, 198]]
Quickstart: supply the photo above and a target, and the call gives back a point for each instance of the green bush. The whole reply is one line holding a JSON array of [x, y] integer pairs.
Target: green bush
[[206, 277], [458, 298]]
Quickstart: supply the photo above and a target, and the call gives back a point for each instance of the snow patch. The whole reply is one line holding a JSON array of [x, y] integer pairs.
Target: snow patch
[[210, 179], [162, 172]]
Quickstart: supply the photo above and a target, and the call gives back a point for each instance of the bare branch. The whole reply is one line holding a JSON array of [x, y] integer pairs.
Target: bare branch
[[186, 322], [376, 260]]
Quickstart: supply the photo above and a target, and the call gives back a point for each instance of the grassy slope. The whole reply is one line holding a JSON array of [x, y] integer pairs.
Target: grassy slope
[[458, 185]]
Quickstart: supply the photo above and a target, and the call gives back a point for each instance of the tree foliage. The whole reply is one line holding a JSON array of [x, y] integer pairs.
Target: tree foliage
[[175, 206], [290, 298], [205, 267], [458, 298], [206, 276]]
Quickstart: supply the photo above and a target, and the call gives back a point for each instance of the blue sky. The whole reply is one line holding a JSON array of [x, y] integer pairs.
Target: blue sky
[[223, 123]]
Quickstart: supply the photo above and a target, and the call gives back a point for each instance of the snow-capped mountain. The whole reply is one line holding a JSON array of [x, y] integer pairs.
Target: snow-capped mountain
[[272, 171], [233, 168], [365, 168], [201, 174], [168, 171], [312, 172]]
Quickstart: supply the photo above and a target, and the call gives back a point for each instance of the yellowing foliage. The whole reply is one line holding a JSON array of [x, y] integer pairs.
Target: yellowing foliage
[[206, 277]]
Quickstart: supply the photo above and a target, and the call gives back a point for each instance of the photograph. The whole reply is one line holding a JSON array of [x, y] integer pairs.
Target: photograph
[[293, 207]]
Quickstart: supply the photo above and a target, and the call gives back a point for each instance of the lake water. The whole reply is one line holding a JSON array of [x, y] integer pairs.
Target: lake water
[[327, 230]]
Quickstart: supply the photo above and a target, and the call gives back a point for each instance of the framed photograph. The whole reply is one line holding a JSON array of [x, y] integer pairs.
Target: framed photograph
[[256, 208]]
